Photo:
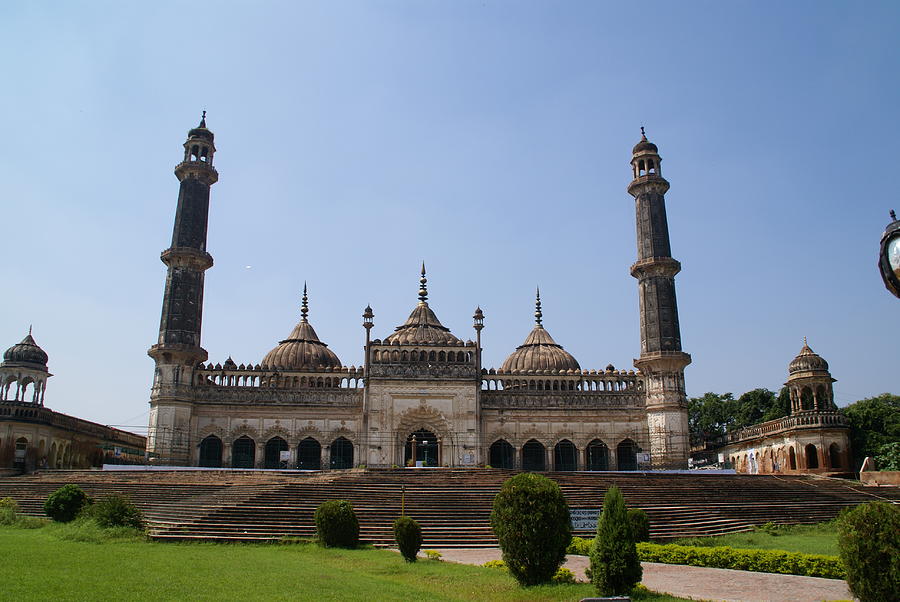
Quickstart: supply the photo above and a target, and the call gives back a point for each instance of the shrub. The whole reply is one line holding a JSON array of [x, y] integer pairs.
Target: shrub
[[9, 510], [117, 511], [640, 524], [615, 568], [408, 535], [65, 503], [433, 555], [495, 564], [869, 544], [531, 521], [337, 525], [581, 546], [762, 561], [563, 575]]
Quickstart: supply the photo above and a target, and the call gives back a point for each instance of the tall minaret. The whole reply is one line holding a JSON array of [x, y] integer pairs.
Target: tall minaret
[[178, 350], [662, 361]]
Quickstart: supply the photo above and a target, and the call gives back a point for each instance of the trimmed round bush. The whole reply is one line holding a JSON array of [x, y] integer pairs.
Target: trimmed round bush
[[640, 524], [531, 521], [408, 535], [117, 511], [64, 504], [337, 525], [615, 567], [869, 544]]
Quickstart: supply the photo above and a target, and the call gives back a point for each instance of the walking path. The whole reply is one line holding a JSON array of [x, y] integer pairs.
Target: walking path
[[696, 582]]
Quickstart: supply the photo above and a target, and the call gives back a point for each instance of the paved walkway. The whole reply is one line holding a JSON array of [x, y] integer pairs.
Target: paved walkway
[[699, 583]]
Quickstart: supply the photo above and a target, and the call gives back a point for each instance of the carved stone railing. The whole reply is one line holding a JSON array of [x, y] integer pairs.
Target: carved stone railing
[[593, 381], [271, 377], [424, 371], [27, 412], [803, 420]]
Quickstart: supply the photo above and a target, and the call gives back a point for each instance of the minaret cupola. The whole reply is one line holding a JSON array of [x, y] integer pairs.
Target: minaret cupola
[[199, 149]]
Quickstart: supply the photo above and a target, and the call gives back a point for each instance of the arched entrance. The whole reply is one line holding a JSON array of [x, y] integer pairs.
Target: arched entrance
[[341, 453], [309, 454], [502, 454], [834, 455], [793, 459], [422, 446], [21, 450], [565, 456], [597, 455], [534, 456], [626, 454], [211, 452], [274, 447], [243, 452], [812, 456]]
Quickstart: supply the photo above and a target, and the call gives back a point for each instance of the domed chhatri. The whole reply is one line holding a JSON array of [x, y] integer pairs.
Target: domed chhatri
[[302, 350], [26, 353], [644, 145], [807, 361], [422, 327], [539, 351], [201, 131]]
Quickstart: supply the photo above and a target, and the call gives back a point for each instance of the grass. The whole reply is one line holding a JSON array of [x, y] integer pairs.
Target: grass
[[809, 539], [66, 562]]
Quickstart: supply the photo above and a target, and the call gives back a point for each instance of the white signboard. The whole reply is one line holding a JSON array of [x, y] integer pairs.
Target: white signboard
[[584, 520], [285, 456]]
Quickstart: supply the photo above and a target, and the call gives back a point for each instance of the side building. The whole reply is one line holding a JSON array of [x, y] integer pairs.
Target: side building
[[421, 394], [33, 436]]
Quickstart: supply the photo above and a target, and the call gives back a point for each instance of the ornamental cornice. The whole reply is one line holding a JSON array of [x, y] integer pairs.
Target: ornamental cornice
[[197, 170], [655, 267], [508, 400], [344, 398], [648, 183], [186, 257], [420, 372]]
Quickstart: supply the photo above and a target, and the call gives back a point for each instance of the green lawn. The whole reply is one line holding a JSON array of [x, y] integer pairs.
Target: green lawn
[[810, 539], [38, 565]]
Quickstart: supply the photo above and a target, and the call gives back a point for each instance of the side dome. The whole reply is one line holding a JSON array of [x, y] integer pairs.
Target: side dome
[[807, 361], [302, 350], [422, 327], [540, 351], [26, 352]]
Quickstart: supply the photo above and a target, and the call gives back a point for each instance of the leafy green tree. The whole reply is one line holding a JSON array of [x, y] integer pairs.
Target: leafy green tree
[[710, 415], [752, 406], [869, 544], [781, 406], [615, 567], [888, 457], [874, 422], [531, 521]]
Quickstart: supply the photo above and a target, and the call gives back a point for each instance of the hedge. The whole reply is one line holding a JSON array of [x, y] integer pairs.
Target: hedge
[[760, 561]]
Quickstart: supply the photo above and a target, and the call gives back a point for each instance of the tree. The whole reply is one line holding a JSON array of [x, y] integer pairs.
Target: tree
[[874, 422], [781, 407], [615, 567], [869, 544], [531, 521], [888, 457], [408, 535], [710, 415], [64, 504]]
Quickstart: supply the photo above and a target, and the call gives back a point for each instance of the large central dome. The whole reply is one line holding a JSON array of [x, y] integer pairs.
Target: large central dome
[[302, 350], [539, 351], [422, 327]]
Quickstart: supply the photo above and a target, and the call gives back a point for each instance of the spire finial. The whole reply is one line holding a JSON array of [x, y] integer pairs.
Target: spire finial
[[537, 308], [643, 135], [29, 330], [304, 305], [423, 286], [805, 344], [893, 215], [203, 120]]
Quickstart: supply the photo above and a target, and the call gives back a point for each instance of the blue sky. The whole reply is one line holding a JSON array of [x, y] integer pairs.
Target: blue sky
[[489, 139]]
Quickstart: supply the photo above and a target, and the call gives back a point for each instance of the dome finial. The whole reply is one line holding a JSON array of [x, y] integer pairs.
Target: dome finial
[[203, 120], [537, 308], [805, 344], [423, 286], [29, 330], [643, 135], [893, 215], [304, 305]]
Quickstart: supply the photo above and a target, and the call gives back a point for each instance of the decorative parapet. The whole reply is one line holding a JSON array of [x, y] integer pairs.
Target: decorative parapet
[[580, 381], [803, 420], [513, 399], [272, 377], [28, 412], [315, 397]]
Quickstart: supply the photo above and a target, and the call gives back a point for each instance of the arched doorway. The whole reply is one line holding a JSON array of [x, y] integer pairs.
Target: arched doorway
[[274, 447], [534, 456], [243, 452], [626, 455], [793, 459], [565, 456], [422, 446], [597, 455], [341, 453], [502, 454], [21, 450], [812, 456], [309, 454], [834, 455], [211, 452]]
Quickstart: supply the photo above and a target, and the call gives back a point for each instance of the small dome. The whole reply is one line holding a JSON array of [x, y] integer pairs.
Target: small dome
[[26, 352], [201, 131], [422, 328], [807, 361], [302, 350], [644, 145], [540, 352]]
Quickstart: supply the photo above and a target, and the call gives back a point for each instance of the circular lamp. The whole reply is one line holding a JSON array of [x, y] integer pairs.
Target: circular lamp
[[889, 257]]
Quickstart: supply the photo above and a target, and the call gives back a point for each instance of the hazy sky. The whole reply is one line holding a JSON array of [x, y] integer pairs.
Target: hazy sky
[[490, 139]]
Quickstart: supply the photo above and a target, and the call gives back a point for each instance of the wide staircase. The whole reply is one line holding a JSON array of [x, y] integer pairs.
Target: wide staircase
[[452, 505]]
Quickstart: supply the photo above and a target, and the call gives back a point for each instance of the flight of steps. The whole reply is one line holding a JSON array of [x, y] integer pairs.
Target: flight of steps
[[452, 505]]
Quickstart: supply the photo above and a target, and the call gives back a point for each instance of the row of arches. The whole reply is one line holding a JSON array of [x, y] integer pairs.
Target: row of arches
[[281, 381], [772, 460], [25, 386], [276, 453], [566, 456], [417, 356], [506, 384]]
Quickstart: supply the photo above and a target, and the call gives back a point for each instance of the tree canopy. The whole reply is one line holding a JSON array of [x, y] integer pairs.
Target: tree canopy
[[874, 425], [713, 414]]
